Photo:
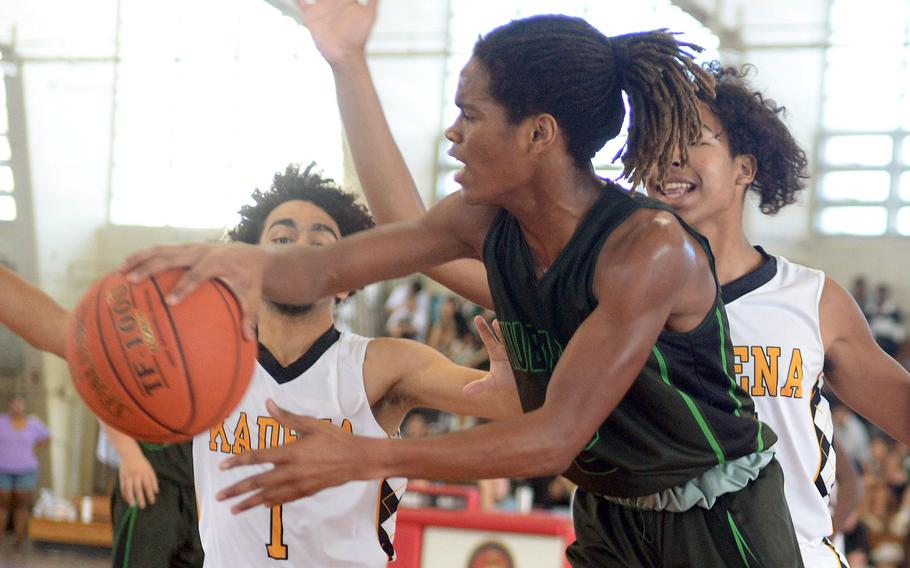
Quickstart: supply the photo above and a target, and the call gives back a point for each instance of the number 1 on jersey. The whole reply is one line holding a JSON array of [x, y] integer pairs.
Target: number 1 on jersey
[[276, 547]]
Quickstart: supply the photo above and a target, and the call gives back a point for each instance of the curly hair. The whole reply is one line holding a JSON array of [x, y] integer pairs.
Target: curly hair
[[754, 125], [565, 67], [307, 185]]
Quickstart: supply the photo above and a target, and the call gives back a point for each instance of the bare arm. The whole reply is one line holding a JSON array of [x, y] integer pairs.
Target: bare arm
[[32, 314], [409, 374], [303, 274], [138, 481], [647, 276], [340, 30], [858, 371]]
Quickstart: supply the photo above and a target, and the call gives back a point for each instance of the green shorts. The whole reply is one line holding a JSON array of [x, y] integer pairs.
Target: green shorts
[[747, 528], [163, 534]]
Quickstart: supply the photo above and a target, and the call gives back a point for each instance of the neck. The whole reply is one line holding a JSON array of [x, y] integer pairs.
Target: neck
[[734, 255], [289, 337], [550, 211]]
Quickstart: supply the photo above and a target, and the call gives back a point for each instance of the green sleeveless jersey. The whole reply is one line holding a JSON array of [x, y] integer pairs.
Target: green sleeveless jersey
[[684, 413]]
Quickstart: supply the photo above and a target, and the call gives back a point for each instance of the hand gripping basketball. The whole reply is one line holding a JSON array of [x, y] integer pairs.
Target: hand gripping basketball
[[239, 266]]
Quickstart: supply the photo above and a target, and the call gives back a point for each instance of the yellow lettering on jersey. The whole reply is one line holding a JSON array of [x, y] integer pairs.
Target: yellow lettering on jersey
[[276, 547], [345, 425], [269, 429], [740, 356], [242, 442], [214, 434], [765, 370], [794, 386], [289, 435]]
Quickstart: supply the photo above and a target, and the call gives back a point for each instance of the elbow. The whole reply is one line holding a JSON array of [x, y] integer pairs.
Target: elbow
[[556, 454]]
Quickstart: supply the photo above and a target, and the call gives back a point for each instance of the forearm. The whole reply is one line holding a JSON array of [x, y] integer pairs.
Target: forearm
[[32, 314], [528, 446], [302, 275], [126, 447]]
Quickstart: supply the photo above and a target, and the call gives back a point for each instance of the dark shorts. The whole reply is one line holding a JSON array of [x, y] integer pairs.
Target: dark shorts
[[749, 528], [163, 534]]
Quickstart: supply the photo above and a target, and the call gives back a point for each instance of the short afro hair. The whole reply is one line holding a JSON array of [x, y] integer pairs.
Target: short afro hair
[[754, 125], [307, 185]]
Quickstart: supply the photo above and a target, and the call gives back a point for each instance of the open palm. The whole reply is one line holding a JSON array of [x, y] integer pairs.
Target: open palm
[[339, 27], [500, 378]]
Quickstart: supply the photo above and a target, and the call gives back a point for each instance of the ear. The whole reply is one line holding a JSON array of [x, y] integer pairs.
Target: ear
[[746, 169], [544, 132], [341, 296]]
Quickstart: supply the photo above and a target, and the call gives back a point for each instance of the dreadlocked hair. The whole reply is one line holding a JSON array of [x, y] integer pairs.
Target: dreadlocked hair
[[565, 67], [307, 185], [755, 125]]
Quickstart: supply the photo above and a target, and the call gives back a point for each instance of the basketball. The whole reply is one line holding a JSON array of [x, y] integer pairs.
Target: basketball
[[156, 372]]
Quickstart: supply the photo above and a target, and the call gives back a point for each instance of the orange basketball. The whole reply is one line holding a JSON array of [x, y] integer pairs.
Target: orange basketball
[[156, 372]]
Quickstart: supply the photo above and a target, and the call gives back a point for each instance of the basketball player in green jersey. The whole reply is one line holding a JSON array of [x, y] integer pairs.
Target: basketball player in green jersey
[[745, 121], [606, 301]]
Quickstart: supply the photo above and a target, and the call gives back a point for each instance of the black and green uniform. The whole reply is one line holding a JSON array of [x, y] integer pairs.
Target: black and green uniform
[[164, 534], [683, 415]]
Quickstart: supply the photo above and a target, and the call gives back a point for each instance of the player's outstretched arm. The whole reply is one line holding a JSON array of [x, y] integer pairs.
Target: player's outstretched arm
[[303, 274], [32, 314], [858, 371], [340, 29], [409, 374], [649, 277]]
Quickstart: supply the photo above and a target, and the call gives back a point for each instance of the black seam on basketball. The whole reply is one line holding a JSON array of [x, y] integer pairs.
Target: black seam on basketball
[[179, 345], [237, 380], [110, 363]]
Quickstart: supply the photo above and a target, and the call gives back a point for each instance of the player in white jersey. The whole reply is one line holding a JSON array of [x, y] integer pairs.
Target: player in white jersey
[[361, 386], [820, 332]]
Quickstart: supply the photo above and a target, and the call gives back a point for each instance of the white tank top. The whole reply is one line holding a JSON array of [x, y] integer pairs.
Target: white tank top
[[779, 359], [349, 525]]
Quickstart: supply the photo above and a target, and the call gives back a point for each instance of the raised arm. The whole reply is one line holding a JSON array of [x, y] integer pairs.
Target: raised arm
[[32, 314], [862, 375], [651, 273], [340, 30]]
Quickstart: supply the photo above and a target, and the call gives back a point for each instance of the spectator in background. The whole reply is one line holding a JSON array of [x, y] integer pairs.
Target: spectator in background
[[886, 321], [850, 432], [449, 327], [409, 313], [860, 292], [20, 436]]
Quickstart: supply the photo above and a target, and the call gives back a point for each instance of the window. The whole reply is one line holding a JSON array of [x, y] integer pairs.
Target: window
[[471, 18], [863, 186], [213, 97], [7, 180]]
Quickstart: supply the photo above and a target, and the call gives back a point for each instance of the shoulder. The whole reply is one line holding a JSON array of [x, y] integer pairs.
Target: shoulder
[[468, 222], [648, 234], [839, 314], [389, 358]]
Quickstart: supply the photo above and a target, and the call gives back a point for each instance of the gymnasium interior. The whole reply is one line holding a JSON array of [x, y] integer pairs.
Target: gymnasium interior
[[126, 124]]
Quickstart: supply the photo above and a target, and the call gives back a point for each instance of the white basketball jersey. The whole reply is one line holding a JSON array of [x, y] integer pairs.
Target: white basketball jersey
[[779, 359], [349, 525]]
